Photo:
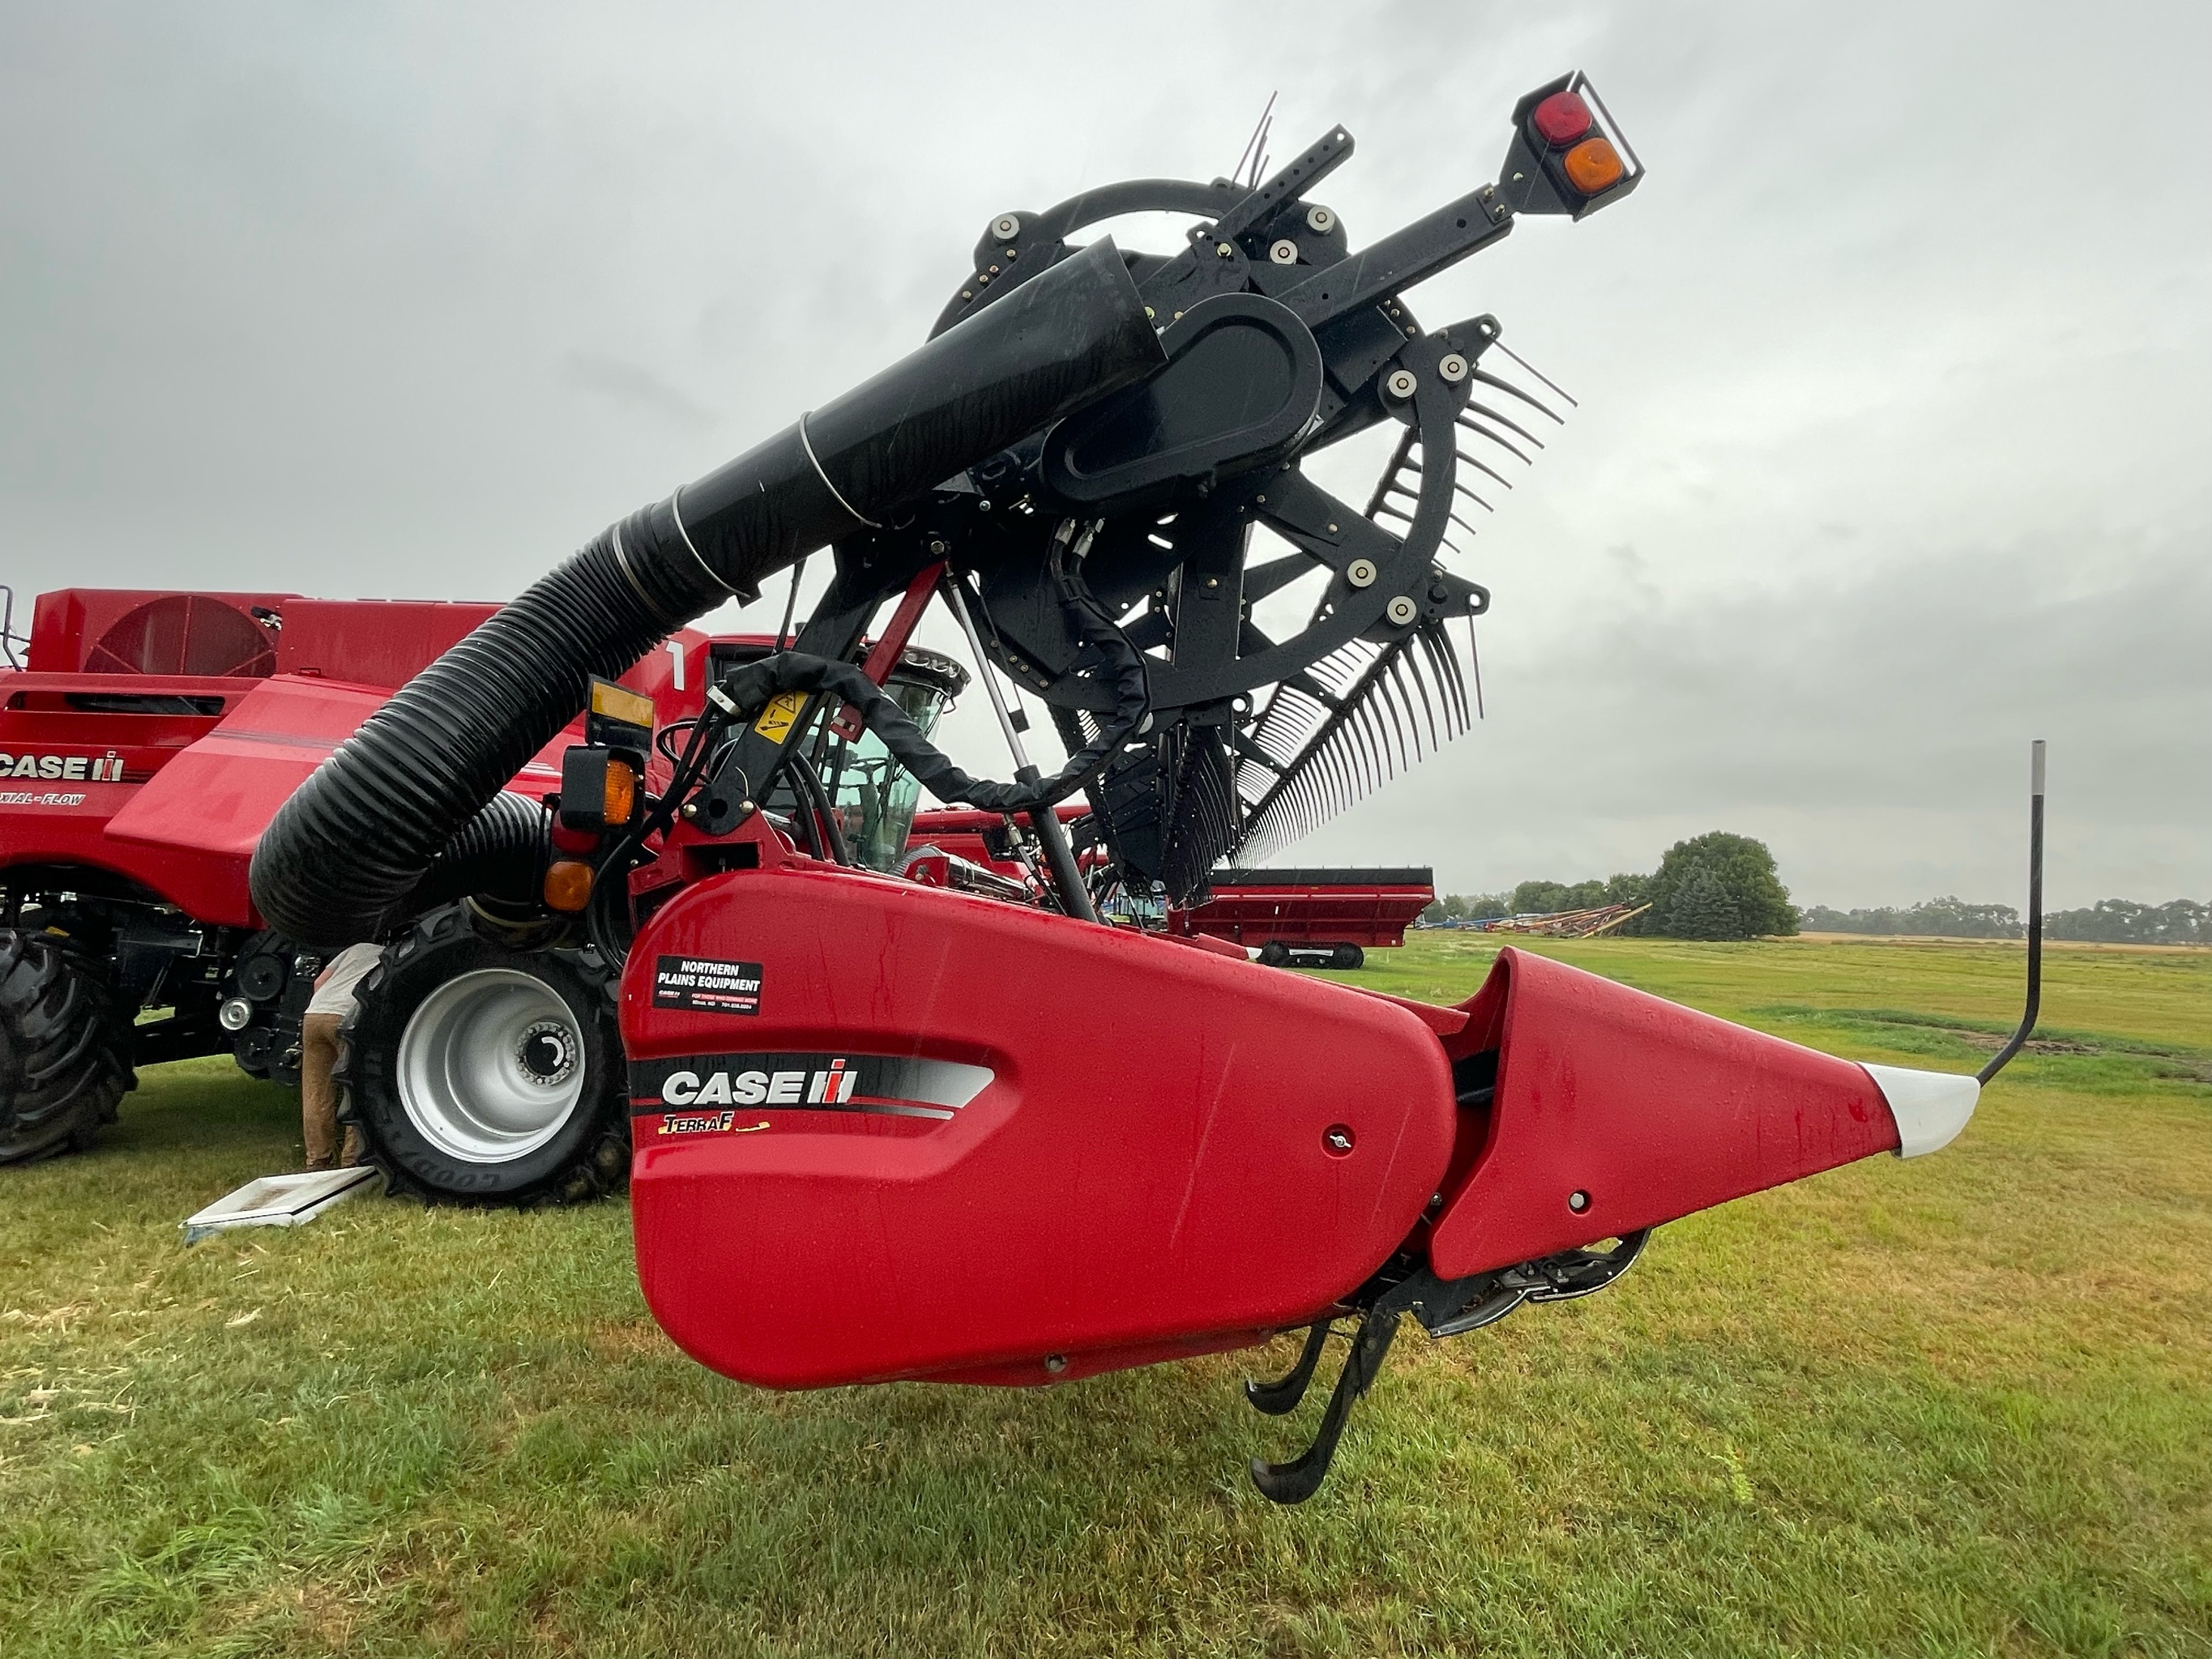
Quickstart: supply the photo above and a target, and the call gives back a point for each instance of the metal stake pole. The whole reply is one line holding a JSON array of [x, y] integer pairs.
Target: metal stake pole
[[2034, 920]]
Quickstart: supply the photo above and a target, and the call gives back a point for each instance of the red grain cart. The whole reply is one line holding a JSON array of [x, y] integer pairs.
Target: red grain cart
[[1310, 918]]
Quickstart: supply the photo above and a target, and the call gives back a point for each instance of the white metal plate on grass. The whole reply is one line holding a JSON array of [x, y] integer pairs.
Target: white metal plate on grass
[[281, 1201]]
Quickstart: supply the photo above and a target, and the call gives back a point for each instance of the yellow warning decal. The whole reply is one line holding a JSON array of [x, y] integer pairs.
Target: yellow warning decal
[[776, 720], [619, 703]]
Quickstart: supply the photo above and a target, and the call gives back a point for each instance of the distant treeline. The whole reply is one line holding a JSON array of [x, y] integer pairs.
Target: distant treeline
[[2108, 921], [1723, 886], [1711, 886]]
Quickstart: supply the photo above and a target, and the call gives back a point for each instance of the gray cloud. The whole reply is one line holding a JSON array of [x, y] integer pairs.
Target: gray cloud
[[1892, 376], [639, 387]]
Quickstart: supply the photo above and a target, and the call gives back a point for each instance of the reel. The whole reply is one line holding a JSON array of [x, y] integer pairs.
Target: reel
[[1299, 648]]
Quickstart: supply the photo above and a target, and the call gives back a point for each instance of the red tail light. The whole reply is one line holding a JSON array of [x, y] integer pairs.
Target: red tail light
[[1561, 119]]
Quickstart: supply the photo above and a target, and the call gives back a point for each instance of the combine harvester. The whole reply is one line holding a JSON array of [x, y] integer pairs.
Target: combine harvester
[[887, 1130], [163, 729]]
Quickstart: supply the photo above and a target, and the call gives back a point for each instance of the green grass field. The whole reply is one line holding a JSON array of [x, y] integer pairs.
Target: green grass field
[[1958, 1406]]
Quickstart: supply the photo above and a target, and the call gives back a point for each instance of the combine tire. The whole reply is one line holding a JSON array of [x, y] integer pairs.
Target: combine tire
[[63, 1056], [478, 1074]]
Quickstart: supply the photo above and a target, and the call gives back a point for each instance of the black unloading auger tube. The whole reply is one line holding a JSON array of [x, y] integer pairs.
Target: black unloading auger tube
[[343, 852]]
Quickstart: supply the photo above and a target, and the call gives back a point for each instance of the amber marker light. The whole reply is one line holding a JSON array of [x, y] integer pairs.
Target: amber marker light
[[622, 792], [567, 885], [1593, 165]]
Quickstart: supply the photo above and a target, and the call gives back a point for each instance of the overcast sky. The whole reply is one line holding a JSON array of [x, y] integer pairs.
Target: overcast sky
[[1892, 451]]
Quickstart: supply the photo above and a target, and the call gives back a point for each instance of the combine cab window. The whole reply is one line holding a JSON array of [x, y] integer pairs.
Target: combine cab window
[[874, 795]]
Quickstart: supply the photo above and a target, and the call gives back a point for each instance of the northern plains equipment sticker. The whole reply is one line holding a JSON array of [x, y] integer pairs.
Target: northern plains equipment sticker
[[706, 985]]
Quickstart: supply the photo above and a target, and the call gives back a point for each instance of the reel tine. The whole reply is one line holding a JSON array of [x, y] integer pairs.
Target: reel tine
[[1422, 670], [1512, 391], [1504, 420], [1390, 697], [1428, 709], [1375, 732], [1390, 692], [1480, 466], [1536, 373], [1376, 709], [1481, 430], [1381, 708], [1368, 776], [1398, 459], [1475, 662], [1204, 820], [1449, 658], [1437, 642]]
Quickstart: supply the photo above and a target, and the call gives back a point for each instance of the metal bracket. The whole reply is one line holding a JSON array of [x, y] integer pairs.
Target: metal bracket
[[1444, 1308]]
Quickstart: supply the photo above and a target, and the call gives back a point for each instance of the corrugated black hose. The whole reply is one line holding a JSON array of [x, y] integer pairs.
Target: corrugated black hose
[[342, 857], [500, 853]]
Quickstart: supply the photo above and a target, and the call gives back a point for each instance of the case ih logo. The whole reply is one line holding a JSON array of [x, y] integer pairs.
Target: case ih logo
[[678, 1088], [74, 769], [831, 1087]]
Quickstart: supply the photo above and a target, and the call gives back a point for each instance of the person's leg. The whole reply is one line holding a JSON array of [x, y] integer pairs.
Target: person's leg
[[319, 1092]]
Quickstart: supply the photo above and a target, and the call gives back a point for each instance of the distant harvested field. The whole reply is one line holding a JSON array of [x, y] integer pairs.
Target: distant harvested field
[[2017, 945], [1962, 1405]]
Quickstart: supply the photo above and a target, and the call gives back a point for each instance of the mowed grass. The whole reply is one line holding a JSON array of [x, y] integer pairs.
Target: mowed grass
[[1962, 1405]]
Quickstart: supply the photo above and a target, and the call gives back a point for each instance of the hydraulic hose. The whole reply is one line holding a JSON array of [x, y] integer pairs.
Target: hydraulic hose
[[346, 850], [748, 688]]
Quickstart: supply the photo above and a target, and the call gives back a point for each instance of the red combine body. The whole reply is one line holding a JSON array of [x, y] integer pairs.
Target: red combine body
[[146, 743], [144, 747]]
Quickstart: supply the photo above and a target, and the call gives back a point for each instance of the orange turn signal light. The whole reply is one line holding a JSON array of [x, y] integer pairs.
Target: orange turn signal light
[[1593, 165], [567, 885], [622, 792]]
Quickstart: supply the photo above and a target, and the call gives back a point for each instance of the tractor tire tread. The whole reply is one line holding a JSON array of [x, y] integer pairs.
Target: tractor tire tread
[[64, 1064]]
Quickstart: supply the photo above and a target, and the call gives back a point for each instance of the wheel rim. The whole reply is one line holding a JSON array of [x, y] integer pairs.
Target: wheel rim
[[491, 1066]]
